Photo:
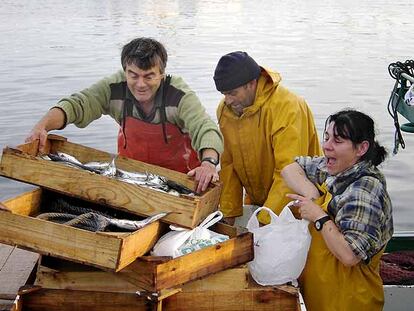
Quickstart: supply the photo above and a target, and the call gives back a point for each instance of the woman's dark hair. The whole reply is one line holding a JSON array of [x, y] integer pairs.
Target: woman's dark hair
[[144, 53], [357, 127]]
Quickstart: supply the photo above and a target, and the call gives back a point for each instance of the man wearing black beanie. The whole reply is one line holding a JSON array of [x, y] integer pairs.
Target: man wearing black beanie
[[265, 126]]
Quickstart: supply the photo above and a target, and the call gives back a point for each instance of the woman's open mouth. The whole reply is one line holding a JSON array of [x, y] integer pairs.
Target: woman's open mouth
[[330, 162]]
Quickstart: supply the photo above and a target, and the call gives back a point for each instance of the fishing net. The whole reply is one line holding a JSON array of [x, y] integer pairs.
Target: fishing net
[[70, 213], [397, 268]]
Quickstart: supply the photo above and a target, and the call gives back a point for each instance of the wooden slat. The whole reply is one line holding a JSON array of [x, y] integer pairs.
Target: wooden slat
[[137, 244], [60, 274], [7, 305], [71, 300], [232, 289], [248, 299], [32, 148], [17, 266], [83, 280], [154, 276], [27, 203], [5, 252], [235, 278], [46, 237], [208, 204]]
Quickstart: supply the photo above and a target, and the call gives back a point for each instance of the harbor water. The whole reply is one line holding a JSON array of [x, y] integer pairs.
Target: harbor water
[[334, 53]]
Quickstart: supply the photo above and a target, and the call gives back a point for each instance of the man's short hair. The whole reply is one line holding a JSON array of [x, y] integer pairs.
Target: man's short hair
[[144, 53]]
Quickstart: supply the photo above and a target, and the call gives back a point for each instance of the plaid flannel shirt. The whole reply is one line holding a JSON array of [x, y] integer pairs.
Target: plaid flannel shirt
[[361, 206]]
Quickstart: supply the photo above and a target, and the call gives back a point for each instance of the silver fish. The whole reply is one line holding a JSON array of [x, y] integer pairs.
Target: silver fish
[[111, 170], [132, 175], [146, 179], [68, 158], [136, 224], [98, 166]]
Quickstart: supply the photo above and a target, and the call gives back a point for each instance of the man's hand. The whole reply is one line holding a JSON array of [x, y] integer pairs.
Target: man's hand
[[54, 119], [204, 174], [38, 133]]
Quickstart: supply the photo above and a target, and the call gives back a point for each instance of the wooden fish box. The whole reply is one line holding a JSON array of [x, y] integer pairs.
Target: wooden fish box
[[157, 273], [107, 250], [21, 163], [153, 274], [232, 289]]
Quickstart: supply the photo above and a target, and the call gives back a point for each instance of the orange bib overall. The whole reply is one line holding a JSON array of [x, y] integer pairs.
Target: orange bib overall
[[145, 143]]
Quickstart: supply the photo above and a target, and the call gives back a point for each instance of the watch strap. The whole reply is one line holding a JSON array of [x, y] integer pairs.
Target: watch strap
[[212, 160], [320, 222]]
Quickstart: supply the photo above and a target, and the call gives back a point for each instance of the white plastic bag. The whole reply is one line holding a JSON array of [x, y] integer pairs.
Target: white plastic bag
[[181, 241], [280, 248]]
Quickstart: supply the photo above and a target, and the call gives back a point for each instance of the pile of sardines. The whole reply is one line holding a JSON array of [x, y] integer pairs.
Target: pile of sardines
[[146, 179]]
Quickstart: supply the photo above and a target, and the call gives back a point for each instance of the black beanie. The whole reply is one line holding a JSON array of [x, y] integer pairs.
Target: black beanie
[[235, 69]]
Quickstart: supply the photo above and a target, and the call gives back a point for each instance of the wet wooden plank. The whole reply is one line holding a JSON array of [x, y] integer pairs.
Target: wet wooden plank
[[16, 267], [92, 280], [74, 300], [233, 289], [15, 271], [6, 305]]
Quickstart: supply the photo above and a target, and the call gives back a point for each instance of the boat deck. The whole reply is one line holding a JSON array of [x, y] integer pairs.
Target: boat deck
[[16, 269]]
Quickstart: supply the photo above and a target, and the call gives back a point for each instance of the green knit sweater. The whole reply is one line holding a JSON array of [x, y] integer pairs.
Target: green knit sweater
[[183, 108]]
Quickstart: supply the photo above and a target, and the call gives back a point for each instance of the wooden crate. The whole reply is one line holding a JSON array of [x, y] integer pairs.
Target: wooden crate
[[108, 250], [21, 163], [232, 289], [157, 273], [154, 274]]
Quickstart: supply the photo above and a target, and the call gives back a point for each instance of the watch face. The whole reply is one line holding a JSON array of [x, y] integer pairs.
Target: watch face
[[210, 160], [318, 225]]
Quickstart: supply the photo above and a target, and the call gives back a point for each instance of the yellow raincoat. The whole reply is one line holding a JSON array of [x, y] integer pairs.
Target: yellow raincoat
[[327, 285], [257, 145]]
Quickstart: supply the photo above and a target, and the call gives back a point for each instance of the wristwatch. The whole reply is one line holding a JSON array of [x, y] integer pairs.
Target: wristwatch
[[212, 160], [319, 223]]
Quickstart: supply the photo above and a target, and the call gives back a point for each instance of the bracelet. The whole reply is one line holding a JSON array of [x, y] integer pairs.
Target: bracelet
[[212, 160]]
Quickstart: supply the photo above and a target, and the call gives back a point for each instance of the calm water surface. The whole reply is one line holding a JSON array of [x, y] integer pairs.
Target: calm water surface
[[333, 53]]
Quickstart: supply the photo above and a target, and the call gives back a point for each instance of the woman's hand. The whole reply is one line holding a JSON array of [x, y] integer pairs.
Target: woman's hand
[[307, 209]]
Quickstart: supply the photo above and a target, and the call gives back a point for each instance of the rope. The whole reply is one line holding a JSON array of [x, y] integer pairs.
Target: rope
[[397, 268], [397, 71]]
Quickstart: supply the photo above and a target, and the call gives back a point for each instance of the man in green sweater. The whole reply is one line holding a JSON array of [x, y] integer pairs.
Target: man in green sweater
[[161, 119]]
